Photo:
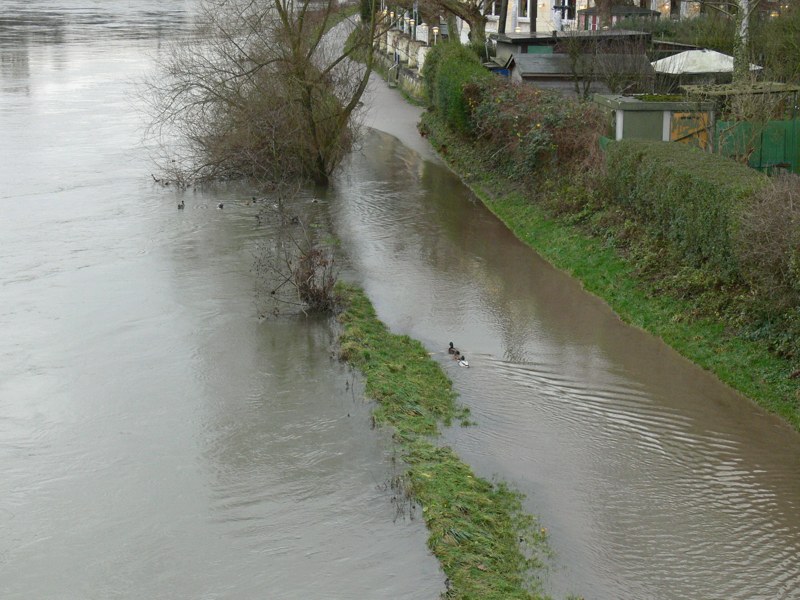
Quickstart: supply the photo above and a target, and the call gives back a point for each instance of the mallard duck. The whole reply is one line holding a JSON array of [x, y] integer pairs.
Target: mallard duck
[[452, 349], [181, 205], [462, 361], [220, 205]]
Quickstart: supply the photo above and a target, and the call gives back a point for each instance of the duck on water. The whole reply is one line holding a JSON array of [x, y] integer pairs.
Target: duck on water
[[462, 360]]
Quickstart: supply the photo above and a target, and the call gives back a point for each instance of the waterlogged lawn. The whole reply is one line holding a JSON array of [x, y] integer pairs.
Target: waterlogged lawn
[[487, 546]]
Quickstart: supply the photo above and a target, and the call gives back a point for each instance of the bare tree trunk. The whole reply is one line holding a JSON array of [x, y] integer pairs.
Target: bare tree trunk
[[741, 62], [604, 12], [739, 11], [501, 24], [477, 29]]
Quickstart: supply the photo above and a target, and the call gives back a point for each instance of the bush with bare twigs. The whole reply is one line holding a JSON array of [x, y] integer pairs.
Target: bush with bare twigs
[[314, 277], [768, 242], [295, 267], [526, 129]]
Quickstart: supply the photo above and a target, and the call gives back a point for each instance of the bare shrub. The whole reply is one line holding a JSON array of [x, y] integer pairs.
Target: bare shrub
[[314, 277], [577, 138], [767, 242], [525, 129], [295, 268]]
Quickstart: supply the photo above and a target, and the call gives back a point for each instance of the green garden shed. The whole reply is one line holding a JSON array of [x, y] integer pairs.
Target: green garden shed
[[653, 117]]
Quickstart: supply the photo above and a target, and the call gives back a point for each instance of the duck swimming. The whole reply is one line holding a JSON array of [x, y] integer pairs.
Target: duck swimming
[[220, 206], [462, 362], [451, 349], [181, 205]]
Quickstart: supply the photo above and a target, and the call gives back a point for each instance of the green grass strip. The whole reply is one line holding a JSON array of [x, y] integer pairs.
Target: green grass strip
[[487, 546], [745, 365]]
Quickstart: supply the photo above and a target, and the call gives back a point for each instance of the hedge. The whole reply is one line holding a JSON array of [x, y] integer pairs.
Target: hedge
[[448, 68], [687, 197]]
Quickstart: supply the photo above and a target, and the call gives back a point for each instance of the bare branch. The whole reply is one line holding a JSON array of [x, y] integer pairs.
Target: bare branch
[[258, 91]]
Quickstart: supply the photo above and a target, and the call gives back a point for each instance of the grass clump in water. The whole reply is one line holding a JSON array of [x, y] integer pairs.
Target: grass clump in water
[[487, 546]]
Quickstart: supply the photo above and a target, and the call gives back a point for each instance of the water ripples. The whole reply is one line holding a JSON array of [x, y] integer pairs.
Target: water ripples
[[655, 480], [671, 497]]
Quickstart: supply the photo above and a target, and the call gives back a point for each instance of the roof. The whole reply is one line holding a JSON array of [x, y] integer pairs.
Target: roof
[[525, 38], [734, 89], [677, 45], [669, 48], [650, 102], [696, 62], [543, 66], [622, 10]]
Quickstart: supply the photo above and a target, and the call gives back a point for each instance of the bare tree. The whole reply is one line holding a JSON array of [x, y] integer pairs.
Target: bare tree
[[619, 65], [740, 12], [470, 11], [260, 90]]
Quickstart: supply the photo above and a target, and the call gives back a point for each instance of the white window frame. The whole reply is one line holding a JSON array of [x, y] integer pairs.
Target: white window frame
[[527, 18]]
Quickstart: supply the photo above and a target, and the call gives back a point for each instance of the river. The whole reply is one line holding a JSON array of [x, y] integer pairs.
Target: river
[[159, 440]]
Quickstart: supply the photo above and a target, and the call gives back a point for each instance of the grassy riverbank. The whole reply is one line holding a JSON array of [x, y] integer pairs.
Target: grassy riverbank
[[485, 543], [746, 365]]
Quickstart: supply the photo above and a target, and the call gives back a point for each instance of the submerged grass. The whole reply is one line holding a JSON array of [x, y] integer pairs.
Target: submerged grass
[[746, 365], [487, 546]]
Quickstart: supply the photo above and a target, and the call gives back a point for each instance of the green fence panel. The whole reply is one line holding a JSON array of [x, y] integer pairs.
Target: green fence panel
[[772, 148]]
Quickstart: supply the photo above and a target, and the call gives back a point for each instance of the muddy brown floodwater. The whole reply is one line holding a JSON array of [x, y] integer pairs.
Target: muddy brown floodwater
[[654, 479]]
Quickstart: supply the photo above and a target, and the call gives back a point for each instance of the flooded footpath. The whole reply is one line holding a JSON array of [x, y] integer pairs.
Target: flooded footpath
[[654, 479]]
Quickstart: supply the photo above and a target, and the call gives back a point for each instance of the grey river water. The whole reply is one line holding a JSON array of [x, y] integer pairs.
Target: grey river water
[[158, 441]]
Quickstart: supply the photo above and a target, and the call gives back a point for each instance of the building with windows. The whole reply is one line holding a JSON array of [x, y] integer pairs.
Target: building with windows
[[526, 16]]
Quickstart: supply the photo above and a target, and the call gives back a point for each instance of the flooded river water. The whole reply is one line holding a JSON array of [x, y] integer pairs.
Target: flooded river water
[[158, 441]]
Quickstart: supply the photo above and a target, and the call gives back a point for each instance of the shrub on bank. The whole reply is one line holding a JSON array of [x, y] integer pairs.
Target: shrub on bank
[[525, 129], [448, 69], [768, 241], [768, 250], [691, 199]]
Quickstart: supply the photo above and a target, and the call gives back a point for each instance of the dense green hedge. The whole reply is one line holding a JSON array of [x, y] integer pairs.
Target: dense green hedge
[[691, 199], [448, 68]]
